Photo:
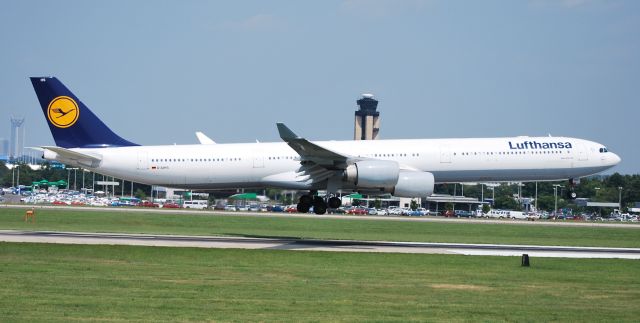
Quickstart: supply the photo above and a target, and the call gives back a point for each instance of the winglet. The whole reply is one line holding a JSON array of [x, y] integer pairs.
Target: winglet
[[285, 133]]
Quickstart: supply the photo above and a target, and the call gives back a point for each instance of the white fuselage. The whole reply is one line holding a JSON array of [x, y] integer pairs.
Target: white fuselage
[[254, 165]]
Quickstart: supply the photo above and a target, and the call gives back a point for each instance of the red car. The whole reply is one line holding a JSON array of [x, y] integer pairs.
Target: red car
[[448, 213], [291, 209], [358, 211], [171, 206], [148, 204]]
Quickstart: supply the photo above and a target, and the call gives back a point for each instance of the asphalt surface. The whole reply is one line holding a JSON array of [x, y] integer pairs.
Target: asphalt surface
[[313, 244]]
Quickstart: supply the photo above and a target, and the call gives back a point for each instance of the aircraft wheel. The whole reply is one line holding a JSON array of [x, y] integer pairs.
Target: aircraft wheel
[[335, 202], [306, 199], [319, 205], [303, 207]]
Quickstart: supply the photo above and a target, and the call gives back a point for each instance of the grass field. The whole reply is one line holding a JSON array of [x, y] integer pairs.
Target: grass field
[[186, 224], [42, 282]]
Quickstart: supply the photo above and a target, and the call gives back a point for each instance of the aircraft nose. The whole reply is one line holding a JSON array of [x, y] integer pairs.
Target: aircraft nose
[[615, 159]]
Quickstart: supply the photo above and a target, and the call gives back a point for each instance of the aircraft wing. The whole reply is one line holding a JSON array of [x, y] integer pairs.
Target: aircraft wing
[[310, 152]]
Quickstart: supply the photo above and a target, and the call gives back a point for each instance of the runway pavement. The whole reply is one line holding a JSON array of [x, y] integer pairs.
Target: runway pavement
[[313, 244]]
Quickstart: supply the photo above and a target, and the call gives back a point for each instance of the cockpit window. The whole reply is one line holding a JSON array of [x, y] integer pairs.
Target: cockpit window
[[603, 150]]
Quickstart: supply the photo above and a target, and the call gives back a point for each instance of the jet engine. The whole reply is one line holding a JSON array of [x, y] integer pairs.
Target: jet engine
[[385, 176]]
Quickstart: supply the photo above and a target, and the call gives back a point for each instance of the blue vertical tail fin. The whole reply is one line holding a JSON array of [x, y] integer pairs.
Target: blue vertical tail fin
[[72, 124]]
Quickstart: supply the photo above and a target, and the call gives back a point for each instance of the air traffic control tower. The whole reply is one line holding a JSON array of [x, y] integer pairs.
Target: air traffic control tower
[[367, 122]]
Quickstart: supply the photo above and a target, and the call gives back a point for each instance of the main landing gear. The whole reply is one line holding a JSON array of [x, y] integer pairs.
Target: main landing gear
[[319, 204], [571, 194]]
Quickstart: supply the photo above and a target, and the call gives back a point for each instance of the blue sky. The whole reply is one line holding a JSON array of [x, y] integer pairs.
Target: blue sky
[[158, 71]]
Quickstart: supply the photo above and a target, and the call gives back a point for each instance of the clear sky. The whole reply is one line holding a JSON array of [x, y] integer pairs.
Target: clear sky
[[157, 71]]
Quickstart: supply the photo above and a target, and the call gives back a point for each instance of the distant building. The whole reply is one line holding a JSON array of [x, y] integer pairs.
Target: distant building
[[16, 148], [367, 119], [4, 149]]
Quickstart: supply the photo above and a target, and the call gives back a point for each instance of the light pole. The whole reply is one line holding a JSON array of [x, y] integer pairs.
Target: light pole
[[555, 195], [69, 177], [83, 189], [599, 208], [536, 201], [619, 197], [18, 179], [493, 195]]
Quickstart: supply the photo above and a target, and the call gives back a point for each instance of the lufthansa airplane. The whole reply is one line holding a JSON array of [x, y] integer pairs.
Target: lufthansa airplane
[[403, 168]]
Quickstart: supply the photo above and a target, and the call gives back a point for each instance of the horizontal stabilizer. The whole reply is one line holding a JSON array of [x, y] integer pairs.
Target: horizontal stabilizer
[[69, 156]]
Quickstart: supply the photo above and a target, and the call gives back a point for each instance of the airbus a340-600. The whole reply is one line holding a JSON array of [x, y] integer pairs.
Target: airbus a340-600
[[403, 168]]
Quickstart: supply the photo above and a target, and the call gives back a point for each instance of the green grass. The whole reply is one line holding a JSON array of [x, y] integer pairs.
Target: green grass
[[42, 282], [206, 224]]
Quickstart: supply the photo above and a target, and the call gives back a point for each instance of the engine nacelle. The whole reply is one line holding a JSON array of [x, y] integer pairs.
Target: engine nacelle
[[385, 176], [49, 155], [414, 184], [373, 173]]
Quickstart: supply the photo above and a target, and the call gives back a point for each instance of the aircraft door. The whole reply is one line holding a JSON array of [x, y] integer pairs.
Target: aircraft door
[[258, 162], [445, 155], [143, 160], [583, 154]]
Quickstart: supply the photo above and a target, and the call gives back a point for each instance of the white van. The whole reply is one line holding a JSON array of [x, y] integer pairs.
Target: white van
[[498, 214], [517, 215], [195, 204]]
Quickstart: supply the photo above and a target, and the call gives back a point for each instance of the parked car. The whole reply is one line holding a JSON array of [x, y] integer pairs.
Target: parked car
[[533, 216], [229, 207], [291, 208], [447, 213], [411, 212], [195, 204], [277, 208], [148, 204], [463, 214], [358, 210], [171, 205]]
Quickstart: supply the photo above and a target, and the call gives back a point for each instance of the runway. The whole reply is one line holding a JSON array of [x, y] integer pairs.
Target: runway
[[314, 244]]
